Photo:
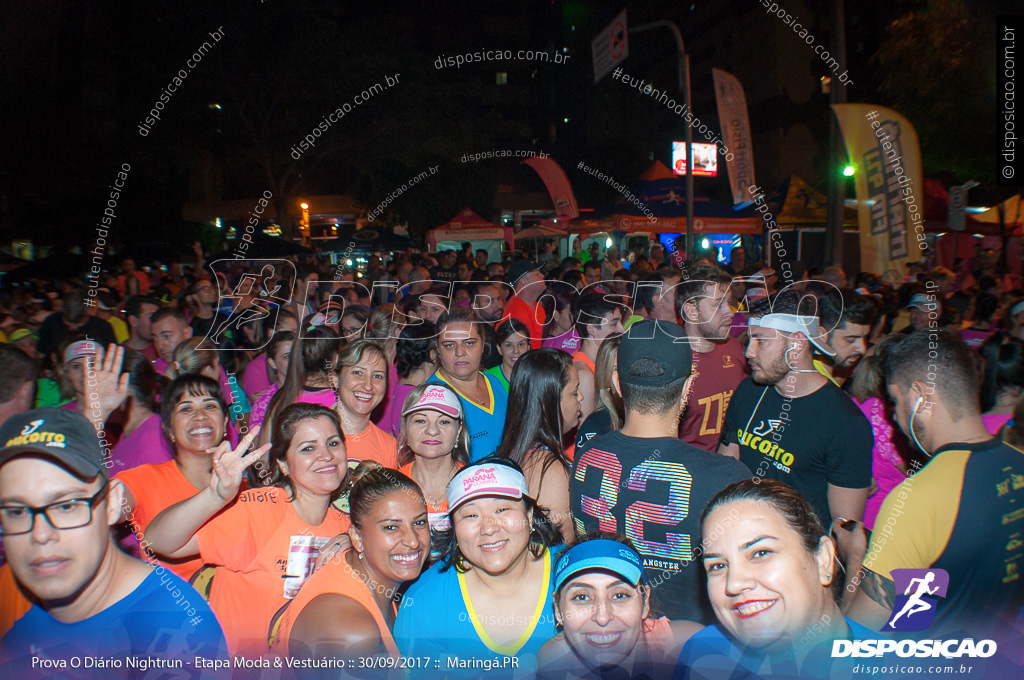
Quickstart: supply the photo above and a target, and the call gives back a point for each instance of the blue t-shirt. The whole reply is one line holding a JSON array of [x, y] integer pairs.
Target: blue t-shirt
[[162, 626], [712, 655], [437, 620], [484, 425]]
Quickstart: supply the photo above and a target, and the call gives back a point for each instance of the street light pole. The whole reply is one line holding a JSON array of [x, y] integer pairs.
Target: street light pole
[[684, 85], [305, 224], [836, 184]]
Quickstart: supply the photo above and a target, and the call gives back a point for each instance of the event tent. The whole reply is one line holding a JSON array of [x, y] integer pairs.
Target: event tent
[[467, 226], [662, 209]]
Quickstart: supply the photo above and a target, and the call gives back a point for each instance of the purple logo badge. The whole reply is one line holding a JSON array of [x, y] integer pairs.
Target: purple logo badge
[[915, 608]]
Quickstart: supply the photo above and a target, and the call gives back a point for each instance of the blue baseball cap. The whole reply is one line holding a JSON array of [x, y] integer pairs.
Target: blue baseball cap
[[600, 553]]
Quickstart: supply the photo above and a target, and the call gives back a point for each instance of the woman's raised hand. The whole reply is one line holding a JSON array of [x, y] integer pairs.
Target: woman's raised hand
[[229, 465], [106, 387]]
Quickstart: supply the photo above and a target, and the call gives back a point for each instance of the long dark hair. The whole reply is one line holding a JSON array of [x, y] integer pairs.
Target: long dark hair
[[314, 353], [278, 339], [284, 430], [194, 385], [543, 532], [415, 347], [535, 397], [145, 383], [1004, 367]]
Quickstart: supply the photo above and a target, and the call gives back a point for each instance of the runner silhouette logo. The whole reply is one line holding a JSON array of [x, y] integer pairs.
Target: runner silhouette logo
[[915, 609]]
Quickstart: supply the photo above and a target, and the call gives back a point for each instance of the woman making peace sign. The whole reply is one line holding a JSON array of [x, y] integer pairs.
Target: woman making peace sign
[[267, 540]]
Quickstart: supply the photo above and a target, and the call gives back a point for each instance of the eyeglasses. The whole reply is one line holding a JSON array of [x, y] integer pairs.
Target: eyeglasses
[[73, 513]]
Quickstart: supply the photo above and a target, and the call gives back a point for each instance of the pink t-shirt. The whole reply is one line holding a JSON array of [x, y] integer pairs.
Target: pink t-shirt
[[884, 457], [392, 420], [260, 404], [324, 397], [381, 415], [147, 444], [995, 422], [975, 339], [256, 380]]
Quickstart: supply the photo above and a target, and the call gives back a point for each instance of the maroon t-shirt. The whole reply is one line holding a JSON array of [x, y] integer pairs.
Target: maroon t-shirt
[[718, 373]]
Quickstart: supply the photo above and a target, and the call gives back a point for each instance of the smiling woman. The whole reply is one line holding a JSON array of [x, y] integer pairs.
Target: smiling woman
[[497, 601], [194, 418], [770, 567], [265, 543], [362, 382], [348, 607], [603, 605]]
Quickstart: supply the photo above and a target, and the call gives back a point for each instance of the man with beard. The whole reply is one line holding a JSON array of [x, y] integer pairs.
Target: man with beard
[[788, 422], [489, 300], [847, 317], [656, 295], [960, 513], [705, 306]]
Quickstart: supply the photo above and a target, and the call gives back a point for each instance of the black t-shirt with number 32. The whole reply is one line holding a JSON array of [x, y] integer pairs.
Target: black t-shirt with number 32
[[653, 491]]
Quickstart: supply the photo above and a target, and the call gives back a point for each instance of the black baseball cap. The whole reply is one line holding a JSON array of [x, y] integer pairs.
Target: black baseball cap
[[520, 268], [663, 343], [63, 435]]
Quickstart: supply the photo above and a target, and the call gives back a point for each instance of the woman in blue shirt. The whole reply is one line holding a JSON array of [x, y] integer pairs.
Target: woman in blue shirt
[[486, 606], [770, 566], [460, 349]]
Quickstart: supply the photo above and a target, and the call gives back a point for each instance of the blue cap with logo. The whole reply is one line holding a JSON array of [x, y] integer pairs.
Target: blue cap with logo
[[603, 554]]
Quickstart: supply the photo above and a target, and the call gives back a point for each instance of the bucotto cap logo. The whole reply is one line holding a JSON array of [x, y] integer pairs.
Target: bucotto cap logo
[[480, 477], [915, 609]]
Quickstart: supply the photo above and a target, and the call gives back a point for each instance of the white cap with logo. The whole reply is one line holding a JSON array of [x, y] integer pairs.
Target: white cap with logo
[[438, 398], [486, 479]]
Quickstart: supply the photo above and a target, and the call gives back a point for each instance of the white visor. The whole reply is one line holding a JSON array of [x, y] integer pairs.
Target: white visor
[[794, 323]]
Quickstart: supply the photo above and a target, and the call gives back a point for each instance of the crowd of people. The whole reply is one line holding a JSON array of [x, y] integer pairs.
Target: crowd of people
[[445, 466]]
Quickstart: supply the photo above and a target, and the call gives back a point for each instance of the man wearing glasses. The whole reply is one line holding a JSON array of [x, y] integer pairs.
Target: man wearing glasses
[[92, 601]]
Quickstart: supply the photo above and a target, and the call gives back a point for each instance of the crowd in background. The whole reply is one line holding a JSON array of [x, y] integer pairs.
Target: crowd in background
[[579, 463]]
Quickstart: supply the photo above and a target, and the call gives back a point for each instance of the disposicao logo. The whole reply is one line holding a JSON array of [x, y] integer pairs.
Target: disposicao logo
[[914, 611]]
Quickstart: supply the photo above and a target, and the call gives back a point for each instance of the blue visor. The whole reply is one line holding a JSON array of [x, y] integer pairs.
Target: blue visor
[[603, 554]]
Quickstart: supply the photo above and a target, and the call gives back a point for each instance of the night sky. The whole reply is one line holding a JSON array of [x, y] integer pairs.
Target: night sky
[[80, 78]]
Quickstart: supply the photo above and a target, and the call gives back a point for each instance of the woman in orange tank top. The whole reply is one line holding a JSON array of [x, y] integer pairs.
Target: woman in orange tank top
[[347, 608]]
